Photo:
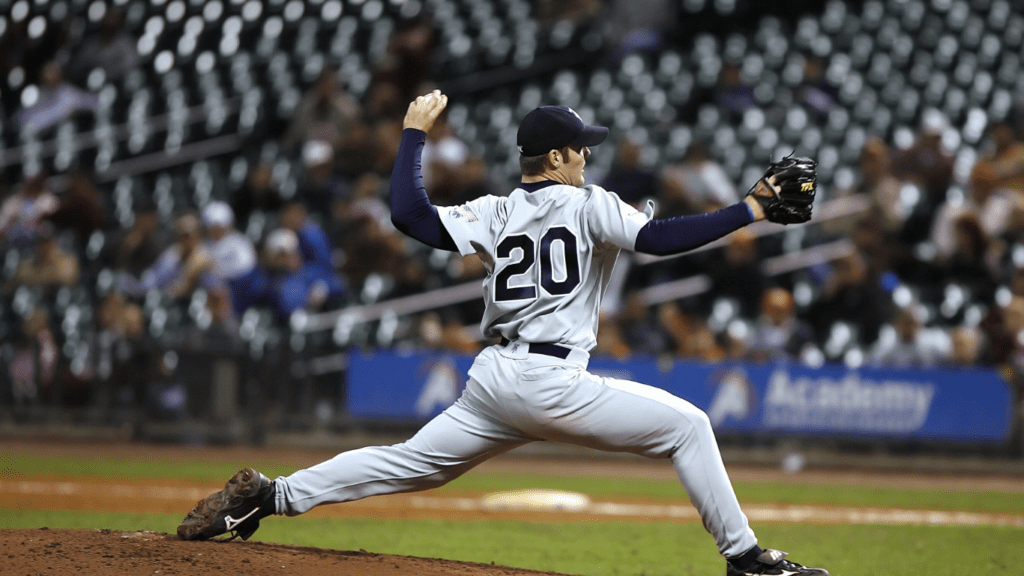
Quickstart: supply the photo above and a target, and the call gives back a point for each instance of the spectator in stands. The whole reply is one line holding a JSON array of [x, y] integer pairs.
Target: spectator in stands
[[905, 343], [24, 54], [387, 135], [926, 162], [999, 211], [778, 334], [182, 268], [971, 263], [33, 367], [235, 259], [444, 155], [454, 336], [50, 267], [627, 177], [58, 101], [1000, 341], [704, 345], [110, 49], [732, 93], [366, 202], [359, 149], [736, 340], [639, 327], [690, 334], [475, 180], [406, 60], [929, 166], [1006, 157], [637, 26], [739, 274], [879, 248], [412, 276], [320, 186], [80, 207], [259, 194], [293, 286], [611, 342], [429, 331], [357, 152], [222, 331], [877, 182], [315, 247], [815, 91], [437, 331], [370, 249], [677, 324], [384, 102], [135, 249], [966, 346], [324, 113], [120, 353], [22, 212], [696, 185], [851, 294]]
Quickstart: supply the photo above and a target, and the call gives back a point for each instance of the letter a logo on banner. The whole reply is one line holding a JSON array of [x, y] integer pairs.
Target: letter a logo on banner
[[732, 399], [441, 389]]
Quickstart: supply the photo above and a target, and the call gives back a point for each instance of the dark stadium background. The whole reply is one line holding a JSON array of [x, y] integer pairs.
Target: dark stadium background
[[119, 117]]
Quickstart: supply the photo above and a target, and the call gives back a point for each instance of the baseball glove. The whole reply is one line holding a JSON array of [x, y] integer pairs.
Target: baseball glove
[[786, 191]]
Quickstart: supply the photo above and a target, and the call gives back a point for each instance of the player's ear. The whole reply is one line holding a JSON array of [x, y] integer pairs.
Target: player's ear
[[555, 158]]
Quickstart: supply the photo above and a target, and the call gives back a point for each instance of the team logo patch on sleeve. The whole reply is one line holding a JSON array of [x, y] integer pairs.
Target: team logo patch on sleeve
[[464, 211]]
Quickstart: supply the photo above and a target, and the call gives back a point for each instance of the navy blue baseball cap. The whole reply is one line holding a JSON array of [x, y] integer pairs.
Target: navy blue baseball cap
[[553, 127]]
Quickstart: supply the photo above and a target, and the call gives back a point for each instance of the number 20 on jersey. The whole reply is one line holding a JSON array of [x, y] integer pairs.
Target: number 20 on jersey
[[554, 238]]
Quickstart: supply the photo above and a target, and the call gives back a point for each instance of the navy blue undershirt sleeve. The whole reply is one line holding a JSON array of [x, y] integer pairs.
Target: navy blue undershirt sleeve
[[682, 233], [411, 210]]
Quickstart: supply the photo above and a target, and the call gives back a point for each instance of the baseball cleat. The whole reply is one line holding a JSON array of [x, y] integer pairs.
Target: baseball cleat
[[774, 562], [234, 509]]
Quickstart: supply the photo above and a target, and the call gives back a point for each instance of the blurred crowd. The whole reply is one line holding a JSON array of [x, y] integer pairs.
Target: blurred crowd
[[933, 276]]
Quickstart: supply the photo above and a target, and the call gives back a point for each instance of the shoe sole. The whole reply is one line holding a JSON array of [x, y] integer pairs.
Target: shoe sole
[[200, 523]]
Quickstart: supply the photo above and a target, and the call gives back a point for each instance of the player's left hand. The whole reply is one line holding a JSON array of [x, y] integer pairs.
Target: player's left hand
[[423, 111], [786, 192]]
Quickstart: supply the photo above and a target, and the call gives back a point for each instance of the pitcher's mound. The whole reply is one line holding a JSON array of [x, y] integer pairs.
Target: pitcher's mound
[[109, 553]]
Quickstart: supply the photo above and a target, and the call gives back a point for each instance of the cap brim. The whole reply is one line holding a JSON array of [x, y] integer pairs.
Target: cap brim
[[591, 136]]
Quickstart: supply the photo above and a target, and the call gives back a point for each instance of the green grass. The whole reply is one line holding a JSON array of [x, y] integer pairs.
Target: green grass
[[197, 469], [11, 518], [612, 548], [767, 492], [599, 487]]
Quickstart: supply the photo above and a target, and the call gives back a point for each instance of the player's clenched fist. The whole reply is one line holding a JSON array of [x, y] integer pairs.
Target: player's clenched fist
[[423, 111]]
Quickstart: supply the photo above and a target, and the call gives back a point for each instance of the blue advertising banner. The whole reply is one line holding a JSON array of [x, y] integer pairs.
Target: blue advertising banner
[[397, 386], [970, 405]]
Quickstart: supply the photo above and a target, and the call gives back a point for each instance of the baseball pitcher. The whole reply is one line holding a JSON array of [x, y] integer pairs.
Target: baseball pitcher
[[549, 248]]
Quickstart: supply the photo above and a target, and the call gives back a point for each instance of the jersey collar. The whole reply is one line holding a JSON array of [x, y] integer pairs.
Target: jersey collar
[[534, 186]]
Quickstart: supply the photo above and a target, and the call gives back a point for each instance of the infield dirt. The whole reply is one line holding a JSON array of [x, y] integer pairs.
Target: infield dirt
[[110, 553]]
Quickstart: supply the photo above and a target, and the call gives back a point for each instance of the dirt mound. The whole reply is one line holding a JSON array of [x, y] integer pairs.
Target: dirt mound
[[109, 552]]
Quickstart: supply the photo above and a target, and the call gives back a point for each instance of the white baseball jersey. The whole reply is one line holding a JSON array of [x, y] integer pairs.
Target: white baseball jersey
[[549, 255]]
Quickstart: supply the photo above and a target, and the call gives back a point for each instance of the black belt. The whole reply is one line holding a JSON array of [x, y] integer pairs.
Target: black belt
[[545, 349]]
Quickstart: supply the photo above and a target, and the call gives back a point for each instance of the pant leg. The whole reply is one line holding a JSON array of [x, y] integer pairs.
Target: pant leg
[[567, 404], [697, 461], [445, 448]]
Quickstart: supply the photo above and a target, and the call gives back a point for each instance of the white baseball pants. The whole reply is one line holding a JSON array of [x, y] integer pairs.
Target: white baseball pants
[[514, 397]]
